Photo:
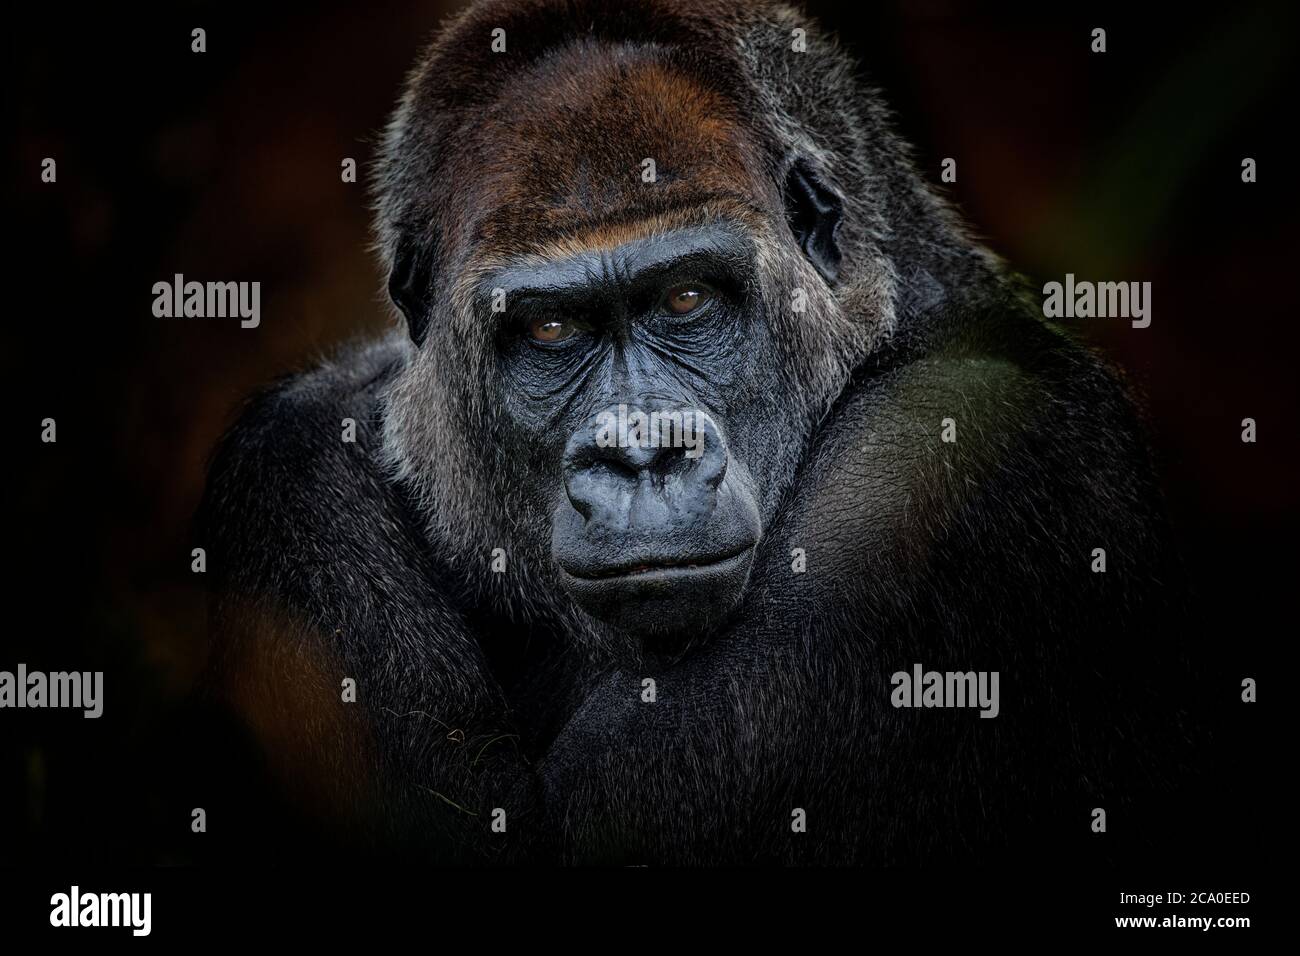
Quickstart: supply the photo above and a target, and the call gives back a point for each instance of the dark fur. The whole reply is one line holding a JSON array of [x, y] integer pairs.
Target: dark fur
[[481, 690]]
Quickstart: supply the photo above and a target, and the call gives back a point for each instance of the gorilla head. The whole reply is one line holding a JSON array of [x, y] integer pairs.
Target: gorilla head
[[632, 287]]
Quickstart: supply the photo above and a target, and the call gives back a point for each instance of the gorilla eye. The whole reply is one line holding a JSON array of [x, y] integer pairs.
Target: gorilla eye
[[685, 299], [549, 330]]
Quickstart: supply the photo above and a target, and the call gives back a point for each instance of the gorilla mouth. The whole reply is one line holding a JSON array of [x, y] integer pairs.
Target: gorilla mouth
[[666, 566], [656, 597]]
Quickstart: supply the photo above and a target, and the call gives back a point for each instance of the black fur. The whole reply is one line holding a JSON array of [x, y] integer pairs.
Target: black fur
[[480, 691]]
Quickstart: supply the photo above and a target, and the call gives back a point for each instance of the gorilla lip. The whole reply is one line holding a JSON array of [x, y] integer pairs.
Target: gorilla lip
[[652, 598], [664, 566]]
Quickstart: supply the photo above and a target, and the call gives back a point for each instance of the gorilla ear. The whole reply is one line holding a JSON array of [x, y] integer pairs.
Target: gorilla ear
[[814, 211], [409, 283]]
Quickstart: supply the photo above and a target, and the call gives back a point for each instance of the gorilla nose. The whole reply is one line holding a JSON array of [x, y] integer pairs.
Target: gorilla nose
[[645, 468], [652, 541]]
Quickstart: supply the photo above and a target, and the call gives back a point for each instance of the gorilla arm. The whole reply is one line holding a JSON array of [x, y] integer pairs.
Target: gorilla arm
[[321, 575], [969, 555]]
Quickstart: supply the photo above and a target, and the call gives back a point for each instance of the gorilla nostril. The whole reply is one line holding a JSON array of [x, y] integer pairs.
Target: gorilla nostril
[[599, 484], [683, 464], [612, 469], [667, 460]]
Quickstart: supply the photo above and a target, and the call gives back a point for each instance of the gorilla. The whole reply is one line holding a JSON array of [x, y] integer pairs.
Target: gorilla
[[704, 419]]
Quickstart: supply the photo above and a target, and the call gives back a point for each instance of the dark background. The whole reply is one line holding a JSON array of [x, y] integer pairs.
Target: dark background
[[225, 165]]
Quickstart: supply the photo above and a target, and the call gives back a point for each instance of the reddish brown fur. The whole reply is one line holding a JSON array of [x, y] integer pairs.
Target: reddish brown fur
[[573, 163], [566, 172]]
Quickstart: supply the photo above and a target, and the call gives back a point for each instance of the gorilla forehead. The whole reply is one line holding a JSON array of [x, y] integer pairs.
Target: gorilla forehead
[[549, 136], [574, 160]]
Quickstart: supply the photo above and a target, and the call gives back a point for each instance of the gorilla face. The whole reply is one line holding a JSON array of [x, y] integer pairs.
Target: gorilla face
[[626, 366], [628, 354]]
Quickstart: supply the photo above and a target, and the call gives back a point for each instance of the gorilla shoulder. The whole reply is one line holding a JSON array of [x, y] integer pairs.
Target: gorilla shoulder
[[300, 472], [995, 442]]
